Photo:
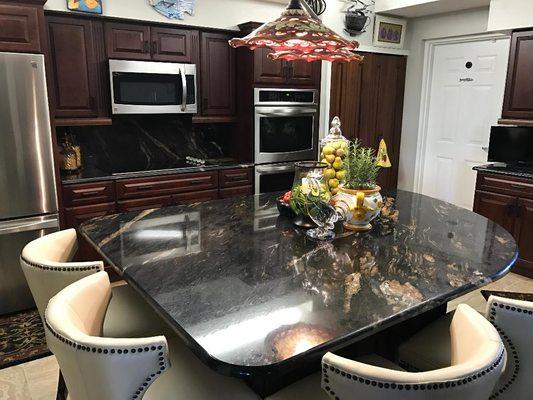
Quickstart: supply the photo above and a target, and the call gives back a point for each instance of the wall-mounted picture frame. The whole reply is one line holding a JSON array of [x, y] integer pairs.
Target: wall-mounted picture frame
[[86, 6], [389, 32]]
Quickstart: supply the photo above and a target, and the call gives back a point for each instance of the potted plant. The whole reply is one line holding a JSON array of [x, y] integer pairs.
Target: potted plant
[[359, 199]]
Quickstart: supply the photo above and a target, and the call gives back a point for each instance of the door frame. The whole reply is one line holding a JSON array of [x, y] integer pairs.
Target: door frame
[[427, 76]]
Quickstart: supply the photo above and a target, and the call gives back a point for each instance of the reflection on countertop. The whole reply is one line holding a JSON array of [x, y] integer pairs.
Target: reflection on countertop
[[252, 290]]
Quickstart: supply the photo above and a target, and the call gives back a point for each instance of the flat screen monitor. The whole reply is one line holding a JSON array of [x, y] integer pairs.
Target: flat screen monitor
[[511, 145]]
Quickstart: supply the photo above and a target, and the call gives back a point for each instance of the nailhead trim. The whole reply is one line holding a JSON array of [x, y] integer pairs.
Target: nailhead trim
[[92, 349], [61, 269], [399, 386], [512, 349]]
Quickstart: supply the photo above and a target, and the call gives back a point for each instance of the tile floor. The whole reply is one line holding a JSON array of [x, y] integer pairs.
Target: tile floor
[[37, 380]]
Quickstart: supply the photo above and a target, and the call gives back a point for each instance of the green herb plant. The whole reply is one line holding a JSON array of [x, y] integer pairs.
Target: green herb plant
[[361, 167]]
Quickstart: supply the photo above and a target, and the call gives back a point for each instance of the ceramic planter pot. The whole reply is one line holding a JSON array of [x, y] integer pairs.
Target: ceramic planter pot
[[359, 207]]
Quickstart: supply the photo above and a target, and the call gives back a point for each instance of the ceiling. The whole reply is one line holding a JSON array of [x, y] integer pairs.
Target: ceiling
[[421, 8]]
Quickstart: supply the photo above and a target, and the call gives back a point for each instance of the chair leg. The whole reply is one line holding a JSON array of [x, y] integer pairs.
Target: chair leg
[[62, 391]]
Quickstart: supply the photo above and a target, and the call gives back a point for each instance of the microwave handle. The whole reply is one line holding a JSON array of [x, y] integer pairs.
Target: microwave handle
[[184, 87]]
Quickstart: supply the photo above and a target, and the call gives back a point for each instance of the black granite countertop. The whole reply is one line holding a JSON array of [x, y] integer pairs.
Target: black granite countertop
[[249, 292], [94, 174], [510, 170]]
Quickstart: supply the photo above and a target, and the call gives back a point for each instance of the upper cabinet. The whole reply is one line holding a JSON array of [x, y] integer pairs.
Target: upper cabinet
[[142, 42], [217, 75], [176, 45], [518, 101], [280, 72], [20, 27], [78, 67], [127, 41]]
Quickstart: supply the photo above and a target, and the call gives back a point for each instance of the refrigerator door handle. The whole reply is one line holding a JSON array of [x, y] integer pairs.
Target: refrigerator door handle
[[28, 224]]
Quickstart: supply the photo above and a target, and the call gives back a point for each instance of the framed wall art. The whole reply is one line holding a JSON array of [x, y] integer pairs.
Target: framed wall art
[[87, 6], [389, 32]]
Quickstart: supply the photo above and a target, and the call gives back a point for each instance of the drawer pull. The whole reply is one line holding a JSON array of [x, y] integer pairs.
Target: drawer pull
[[145, 187], [197, 182], [518, 186], [91, 193], [237, 177]]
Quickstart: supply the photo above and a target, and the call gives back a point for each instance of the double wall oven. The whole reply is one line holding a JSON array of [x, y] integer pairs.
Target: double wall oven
[[286, 131]]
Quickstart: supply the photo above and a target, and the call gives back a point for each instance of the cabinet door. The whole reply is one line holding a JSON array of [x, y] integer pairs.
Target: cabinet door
[[74, 66], [524, 233], [496, 207], [127, 41], [518, 101], [303, 73], [217, 75], [19, 28], [175, 45], [144, 204], [267, 70]]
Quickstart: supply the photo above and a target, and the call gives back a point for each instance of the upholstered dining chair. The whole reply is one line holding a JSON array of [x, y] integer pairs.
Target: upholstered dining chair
[[477, 360], [48, 267], [513, 320], [96, 367]]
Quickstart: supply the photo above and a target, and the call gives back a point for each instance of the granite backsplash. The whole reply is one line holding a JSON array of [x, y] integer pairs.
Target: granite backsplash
[[149, 142]]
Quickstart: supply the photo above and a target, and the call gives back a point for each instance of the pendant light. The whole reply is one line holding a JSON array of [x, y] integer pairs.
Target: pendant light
[[298, 34]]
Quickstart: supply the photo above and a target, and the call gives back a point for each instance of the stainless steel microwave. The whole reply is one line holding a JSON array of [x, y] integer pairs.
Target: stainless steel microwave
[[145, 87]]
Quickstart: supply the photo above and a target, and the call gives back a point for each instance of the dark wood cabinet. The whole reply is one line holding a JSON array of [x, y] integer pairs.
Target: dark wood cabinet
[[156, 43], [78, 67], [508, 201], [88, 193], [217, 73], [496, 207], [75, 216], [175, 45], [129, 41], [280, 72], [20, 27], [268, 71], [518, 100], [524, 233], [368, 98], [144, 204]]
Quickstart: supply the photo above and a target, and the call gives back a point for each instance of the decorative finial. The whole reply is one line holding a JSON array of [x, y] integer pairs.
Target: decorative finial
[[335, 126]]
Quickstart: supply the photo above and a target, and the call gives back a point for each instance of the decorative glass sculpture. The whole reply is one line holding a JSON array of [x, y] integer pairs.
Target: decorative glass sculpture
[[173, 9], [299, 35]]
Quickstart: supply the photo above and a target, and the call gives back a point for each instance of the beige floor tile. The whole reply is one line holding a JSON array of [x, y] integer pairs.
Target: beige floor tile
[[13, 384], [41, 376]]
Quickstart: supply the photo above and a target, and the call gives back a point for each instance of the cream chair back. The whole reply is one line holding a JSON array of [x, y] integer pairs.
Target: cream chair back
[[478, 357], [513, 319], [46, 263], [95, 367]]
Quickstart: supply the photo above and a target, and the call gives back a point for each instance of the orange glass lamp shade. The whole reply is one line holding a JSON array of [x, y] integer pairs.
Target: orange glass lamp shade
[[299, 35]]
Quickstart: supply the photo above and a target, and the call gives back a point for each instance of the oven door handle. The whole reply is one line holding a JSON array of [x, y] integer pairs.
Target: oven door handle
[[286, 111], [273, 170], [184, 88]]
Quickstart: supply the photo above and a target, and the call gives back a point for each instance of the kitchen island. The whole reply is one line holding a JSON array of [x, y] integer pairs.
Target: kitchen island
[[254, 298]]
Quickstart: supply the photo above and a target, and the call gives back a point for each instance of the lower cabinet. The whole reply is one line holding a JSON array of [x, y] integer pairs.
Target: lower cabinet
[[85, 201], [508, 201]]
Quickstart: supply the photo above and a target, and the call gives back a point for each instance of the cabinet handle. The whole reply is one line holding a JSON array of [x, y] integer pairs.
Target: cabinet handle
[[146, 46], [197, 182], [236, 177], [517, 186], [93, 193], [154, 47], [146, 187]]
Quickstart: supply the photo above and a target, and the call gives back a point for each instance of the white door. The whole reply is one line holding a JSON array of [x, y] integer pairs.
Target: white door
[[465, 97]]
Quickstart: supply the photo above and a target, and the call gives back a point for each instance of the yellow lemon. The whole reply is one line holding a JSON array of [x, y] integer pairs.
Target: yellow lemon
[[340, 152], [337, 165], [329, 173], [340, 174], [328, 150], [333, 183], [330, 158], [324, 161], [334, 191]]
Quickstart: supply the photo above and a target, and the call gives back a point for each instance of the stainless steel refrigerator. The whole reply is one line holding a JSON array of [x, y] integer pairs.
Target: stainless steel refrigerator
[[28, 202]]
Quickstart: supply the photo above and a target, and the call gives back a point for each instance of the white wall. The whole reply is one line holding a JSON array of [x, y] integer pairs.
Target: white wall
[[510, 14], [421, 29], [225, 14]]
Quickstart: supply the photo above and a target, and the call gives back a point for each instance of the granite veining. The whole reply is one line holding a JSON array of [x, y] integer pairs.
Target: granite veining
[[250, 291], [137, 145]]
